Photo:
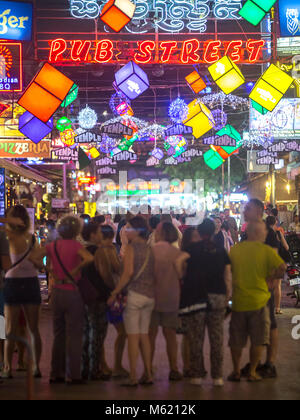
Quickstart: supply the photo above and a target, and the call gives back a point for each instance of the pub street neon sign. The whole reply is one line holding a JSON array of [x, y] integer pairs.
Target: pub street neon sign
[[190, 51], [170, 16]]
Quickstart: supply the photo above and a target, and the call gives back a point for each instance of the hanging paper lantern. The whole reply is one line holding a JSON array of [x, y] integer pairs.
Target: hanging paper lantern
[[255, 10], [93, 152], [220, 118], [226, 75], [117, 99], [33, 128], [107, 144], [68, 137], [63, 124], [259, 108], [71, 97], [195, 82], [46, 93], [231, 132], [213, 159], [169, 149], [117, 13], [271, 87], [132, 80], [178, 111], [124, 109], [87, 118], [199, 118], [180, 148]]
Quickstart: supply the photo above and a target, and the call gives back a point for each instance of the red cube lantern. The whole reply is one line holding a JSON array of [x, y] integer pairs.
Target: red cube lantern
[[46, 93], [117, 13], [195, 82]]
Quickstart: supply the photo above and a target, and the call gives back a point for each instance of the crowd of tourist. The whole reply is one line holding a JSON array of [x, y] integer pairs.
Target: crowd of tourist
[[142, 273]]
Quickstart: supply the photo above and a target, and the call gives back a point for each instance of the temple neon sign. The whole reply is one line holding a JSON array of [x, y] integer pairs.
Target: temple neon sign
[[190, 51]]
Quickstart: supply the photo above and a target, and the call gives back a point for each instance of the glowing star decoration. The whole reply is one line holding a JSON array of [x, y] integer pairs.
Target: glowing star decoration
[[259, 108], [117, 13], [131, 80], [71, 97], [213, 159], [255, 10], [87, 118], [195, 82], [46, 93], [33, 128], [226, 75], [178, 111], [67, 137], [199, 118], [271, 87], [63, 124]]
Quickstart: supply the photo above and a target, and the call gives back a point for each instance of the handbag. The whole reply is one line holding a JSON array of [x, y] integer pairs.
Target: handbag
[[86, 289], [115, 311]]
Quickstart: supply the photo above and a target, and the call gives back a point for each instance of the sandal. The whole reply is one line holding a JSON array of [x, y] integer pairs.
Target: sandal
[[175, 376], [145, 380], [279, 312], [254, 379], [234, 377], [130, 384]]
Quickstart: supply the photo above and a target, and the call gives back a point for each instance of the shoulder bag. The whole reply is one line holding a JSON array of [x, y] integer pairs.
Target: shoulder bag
[[86, 289]]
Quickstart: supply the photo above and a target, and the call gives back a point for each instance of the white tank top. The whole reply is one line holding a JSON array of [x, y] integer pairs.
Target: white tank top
[[23, 270]]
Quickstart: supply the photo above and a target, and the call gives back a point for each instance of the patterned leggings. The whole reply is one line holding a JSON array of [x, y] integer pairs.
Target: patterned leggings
[[95, 331], [196, 325]]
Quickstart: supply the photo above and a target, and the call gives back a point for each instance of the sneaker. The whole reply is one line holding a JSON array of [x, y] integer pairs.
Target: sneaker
[[196, 381], [218, 382], [268, 371]]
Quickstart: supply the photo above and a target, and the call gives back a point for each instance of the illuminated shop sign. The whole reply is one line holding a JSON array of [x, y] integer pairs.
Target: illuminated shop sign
[[189, 51], [171, 16], [24, 149], [88, 137], [220, 141], [289, 14], [11, 77], [107, 170], [65, 155], [2, 192], [178, 130], [15, 20]]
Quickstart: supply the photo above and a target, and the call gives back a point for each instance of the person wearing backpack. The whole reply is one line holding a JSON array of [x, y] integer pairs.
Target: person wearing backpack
[[96, 324]]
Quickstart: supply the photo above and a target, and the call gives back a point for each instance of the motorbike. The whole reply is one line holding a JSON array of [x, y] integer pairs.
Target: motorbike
[[293, 273]]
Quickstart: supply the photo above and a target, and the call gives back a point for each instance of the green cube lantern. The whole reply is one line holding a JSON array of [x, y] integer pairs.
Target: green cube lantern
[[259, 108], [230, 131], [254, 11], [213, 160], [71, 97], [63, 124]]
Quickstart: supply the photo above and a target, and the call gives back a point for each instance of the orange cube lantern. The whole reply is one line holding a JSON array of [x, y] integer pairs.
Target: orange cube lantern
[[46, 93], [195, 82], [117, 13]]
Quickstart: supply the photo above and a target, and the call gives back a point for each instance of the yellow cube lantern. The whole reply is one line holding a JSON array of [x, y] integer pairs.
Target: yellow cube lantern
[[199, 118], [226, 75], [271, 87]]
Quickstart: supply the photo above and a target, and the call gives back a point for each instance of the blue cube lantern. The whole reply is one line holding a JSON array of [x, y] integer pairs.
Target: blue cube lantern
[[132, 80], [33, 128]]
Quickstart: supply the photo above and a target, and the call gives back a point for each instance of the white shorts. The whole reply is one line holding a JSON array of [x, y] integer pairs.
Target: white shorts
[[137, 314]]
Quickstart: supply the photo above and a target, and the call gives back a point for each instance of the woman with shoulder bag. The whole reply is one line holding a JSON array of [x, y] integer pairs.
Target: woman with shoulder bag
[[138, 277], [22, 289]]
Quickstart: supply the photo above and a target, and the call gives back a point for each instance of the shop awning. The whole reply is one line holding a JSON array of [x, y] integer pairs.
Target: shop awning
[[26, 173]]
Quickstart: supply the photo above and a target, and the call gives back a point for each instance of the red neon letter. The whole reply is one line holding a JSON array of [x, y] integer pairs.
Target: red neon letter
[[144, 55], [80, 50], [168, 47], [212, 54], [189, 51], [234, 51], [104, 51], [255, 47], [58, 47]]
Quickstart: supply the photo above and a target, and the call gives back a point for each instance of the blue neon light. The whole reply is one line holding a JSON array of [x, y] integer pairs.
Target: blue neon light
[[15, 20], [289, 14]]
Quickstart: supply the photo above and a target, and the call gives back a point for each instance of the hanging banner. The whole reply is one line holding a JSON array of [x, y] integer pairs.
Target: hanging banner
[[220, 141], [106, 170], [178, 130], [25, 149], [116, 129], [88, 137]]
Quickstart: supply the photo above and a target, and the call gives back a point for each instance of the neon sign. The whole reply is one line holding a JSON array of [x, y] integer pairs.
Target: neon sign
[[170, 16], [190, 51], [11, 67]]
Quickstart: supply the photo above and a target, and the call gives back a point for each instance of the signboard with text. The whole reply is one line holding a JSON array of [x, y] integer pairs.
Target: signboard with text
[[2, 192], [16, 20], [11, 67], [24, 149]]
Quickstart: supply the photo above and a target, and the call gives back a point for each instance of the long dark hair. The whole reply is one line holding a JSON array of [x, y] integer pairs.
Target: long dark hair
[[207, 232], [187, 238]]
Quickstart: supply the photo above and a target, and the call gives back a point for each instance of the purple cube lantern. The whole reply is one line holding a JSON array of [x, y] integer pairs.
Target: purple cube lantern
[[132, 80], [158, 154], [33, 128]]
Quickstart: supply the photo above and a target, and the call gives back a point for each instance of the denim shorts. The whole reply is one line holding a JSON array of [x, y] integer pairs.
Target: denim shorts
[[22, 291]]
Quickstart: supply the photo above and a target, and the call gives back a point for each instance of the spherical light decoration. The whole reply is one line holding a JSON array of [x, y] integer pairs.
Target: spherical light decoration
[[107, 145], [220, 118], [87, 118], [178, 111], [116, 99]]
